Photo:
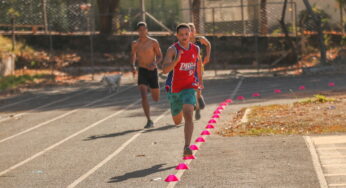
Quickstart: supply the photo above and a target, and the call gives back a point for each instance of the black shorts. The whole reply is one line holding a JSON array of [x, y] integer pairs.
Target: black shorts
[[148, 77]]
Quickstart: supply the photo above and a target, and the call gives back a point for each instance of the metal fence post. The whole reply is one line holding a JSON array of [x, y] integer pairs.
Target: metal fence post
[[242, 17], [45, 19], [13, 23], [256, 40], [143, 9], [91, 39], [214, 57]]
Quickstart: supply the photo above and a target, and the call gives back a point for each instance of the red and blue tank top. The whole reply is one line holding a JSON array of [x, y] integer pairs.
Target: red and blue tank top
[[184, 75]]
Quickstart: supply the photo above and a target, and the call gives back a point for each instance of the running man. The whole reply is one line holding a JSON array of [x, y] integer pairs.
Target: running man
[[200, 41], [182, 62], [147, 52]]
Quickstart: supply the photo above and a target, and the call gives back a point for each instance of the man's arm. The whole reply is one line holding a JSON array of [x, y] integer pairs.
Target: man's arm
[[199, 69], [169, 63], [133, 55], [158, 52], [207, 44]]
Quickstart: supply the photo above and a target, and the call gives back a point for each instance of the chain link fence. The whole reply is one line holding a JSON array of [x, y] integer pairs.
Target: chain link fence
[[236, 17], [244, 32]]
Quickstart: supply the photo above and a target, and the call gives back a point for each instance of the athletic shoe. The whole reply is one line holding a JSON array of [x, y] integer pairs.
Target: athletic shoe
[[187, 151], [150, 124], [198, 114], [201, 103]]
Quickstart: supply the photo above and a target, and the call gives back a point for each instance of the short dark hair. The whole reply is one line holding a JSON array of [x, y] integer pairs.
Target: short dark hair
[[139, 24], [181, 26]]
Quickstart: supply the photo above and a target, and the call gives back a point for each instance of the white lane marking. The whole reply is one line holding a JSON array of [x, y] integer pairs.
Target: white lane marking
[[316, 162], [18, 102], [235, 91], [334, 165], [333, 157], [45, 105], [331, 148], [115, 153], [180, 173], [338, 185], [67, 138], [330, 175], [62, 116]]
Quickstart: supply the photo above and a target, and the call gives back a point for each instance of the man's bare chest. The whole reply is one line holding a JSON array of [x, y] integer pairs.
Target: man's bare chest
[[145, 48]]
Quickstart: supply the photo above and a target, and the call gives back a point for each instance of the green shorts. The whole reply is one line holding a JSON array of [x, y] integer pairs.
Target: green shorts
[[177, 100]]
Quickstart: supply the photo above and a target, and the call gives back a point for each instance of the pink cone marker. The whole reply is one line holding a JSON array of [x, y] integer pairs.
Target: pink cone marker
[[205, 132], [212, 121], [182, 166], [256, 94], [241, 98], [331, 84], [209, 126], [277, 91], [217, 112], [189, 157], [216, 116], [223, 104], [200, 139], [220, 108], [301, 87], [171, 178], [228, 100], [194, 147]]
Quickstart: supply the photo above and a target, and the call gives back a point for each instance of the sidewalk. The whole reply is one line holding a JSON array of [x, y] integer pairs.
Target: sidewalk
[[270, 161]]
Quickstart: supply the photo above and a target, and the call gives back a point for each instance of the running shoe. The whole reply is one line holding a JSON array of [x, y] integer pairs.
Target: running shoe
[[201, 103], [150, 124], [187, 151]]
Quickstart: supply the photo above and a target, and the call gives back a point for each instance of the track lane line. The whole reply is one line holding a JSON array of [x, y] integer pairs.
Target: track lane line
[[62, 116], [67, 138]]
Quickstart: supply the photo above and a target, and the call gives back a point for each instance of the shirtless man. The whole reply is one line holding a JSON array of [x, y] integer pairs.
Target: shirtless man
[[183, 64], [147, 52]]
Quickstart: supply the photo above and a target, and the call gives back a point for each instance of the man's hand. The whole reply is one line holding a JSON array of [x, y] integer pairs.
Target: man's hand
[[206, 60], [201, 84], [134, 71], [152, 66]]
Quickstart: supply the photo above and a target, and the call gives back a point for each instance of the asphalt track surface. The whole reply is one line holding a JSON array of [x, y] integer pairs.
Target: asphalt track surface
[[85, 137]]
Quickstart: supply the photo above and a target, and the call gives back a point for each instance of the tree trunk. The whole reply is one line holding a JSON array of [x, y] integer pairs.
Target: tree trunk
[[285, 30], [107, 10], [263, 18], [317, 20], [196, 5], [341, 4]]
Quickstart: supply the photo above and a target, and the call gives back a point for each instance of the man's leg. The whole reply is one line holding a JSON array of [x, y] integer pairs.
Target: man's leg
[[178, 118], [200, 99], [145, 104], [188, 116], [198, 108], [155, 94]]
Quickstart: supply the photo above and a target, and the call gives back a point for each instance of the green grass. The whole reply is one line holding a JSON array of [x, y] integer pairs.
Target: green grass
[[9, 82], [6, 46], [317, 99]]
